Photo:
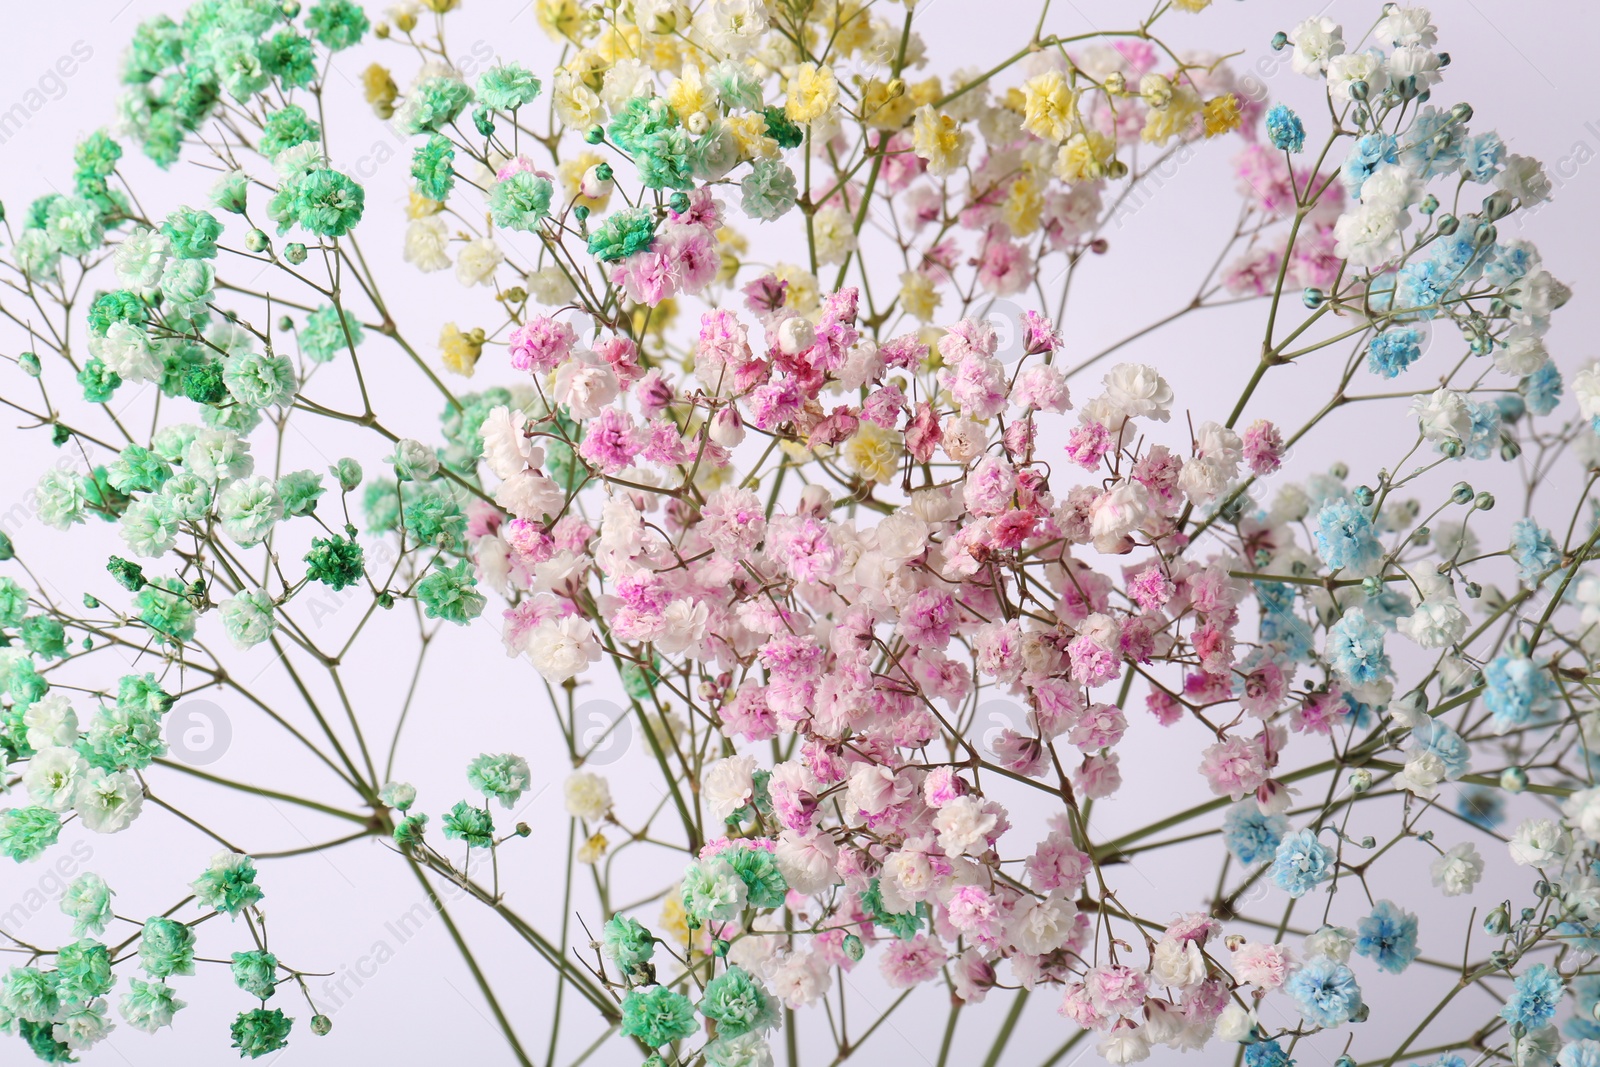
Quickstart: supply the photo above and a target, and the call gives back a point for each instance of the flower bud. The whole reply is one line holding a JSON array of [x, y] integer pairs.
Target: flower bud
[[1513, 779], [796, 335], [1498, 921], [597, 182], [1360, 781], [727, 428]]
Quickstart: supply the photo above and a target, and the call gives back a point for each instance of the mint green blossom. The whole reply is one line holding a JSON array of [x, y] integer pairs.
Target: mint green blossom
[[743, 1050], [657, 1016], [26, 832], [520, 201], [148, 1006], [150, 527], [229, 884], [336, 562], [473, 825], [328, 203], [248, 509], [218, 456], [769, 190], [237, 65], [626, 941], [187, 281], [436, 519], [99, 381], [83, 970], [639, 118], [324, 335], [398, 795], [137, 470], [87, 902], [30, 994], [450, 591], [96, 156], [44, 636], [36, 254], [121, 738], [285, 129], [408, 832], [61, 499], [187, 496], [247, 618], [503, 778], [737, 88], [166, 948], [433, 104], [74, 225], [622, 234], [300, 491], [258, 1032], [432, 168], [193, 233], [713, 891], [231, 192], [738, 1003], [508, 87], [414, 461], [256, 972], [664, 160], [163, 605], [260, 380], [13, 603], [338, 24], [119, 305]]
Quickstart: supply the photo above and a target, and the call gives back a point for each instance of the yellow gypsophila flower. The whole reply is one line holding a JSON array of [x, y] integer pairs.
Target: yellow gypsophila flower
[[380, 89], [1023, 205], [562, 20], [690, 97], [577, 105], [802, 294], [918, 297], [617, 40], [1084, 157], [593, 850], [1162, 124], [420, 207], [1191, 6], [874, 452], [847, 26], [811, 93], [460, 351], [885, 105], [925, 91], [1222, 114], [1047, 106], [940, 140], [750, 134]]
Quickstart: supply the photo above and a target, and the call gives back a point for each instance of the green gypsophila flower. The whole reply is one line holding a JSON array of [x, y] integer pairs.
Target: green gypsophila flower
[[325, 334], [166, 948], [138, 470], [738, 1003], [258, 1032], [256, 972], [163, 605], [285, 129], [432, 168], [44, 636], [409, 830], [247, 618], [451, 592], [83, 970], [336, 561], [473, 825], [148, 1006], [769, 190], [508, 87], [30, 994], [627, 942], [193, 233], [337, 24], [290, 58], [433, 104], [229, 884], [520, 201], [758, 868], [622, 234], [98, 380], [503, 778], [657, 1016], [638, 119], [26, 832], [328, 203], [87, 902]]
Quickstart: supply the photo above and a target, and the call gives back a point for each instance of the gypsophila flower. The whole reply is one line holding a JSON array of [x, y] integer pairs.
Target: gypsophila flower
[[1388, 936]]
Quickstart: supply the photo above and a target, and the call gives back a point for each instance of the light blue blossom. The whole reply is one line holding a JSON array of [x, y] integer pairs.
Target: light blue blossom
[[1345, 538], [1301, 863], [1534, 551], [1543, 388], [1285, 130], [1437, 736], [1535, 995], [1393, 350], [1252, 837], [1325, 991], [1388, 937], [1355, 648], [1365, 156], [1483, 158]]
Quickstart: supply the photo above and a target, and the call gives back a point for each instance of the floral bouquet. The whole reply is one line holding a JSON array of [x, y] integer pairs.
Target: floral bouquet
[[763, 415]]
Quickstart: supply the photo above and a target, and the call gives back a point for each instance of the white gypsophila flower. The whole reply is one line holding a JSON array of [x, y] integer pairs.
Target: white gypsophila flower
[[506, 447], [527, 494], [1136, 390], [1406, 26], [1316, 41], [1415, 64], [1118, 512], [140, 259], [727, 786], [1520, 352], [50, 721], [1235, 1023], [108, 802], [807, 861], [1333, 942], [1041, 926], [588, 796], [1435, 623], [1345, 70], [964, 825], [562, 648], [477, 260], [1123, 1045], [52, 777], [1422, 773], [1442, 415], [1178, 963], [1539, 843], [585, 385], [1582, 812], [1524, 178], [427, 243], [1586, 390], [1457, 871]]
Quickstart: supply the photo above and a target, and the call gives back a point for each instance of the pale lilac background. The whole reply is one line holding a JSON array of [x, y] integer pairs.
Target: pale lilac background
[[1523, 66]]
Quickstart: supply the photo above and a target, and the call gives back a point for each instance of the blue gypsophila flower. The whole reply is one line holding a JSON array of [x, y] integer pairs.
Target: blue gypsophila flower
[[1485, 429], [1515, 690], [1355, 648], [1584, 1052], [1266, 1054], [1429, 154], [1388, 937], [1535, 995], [1365, 156], [1392, 351], [1510, 263], [1543, 388], [1252, 837], [1301, 863], [1586, 992], [1481, 807], [1437, 736], [1534, 551], [1483, 157], [1284, 129], [1421, 289], [1345, 538], [1325, 991]]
